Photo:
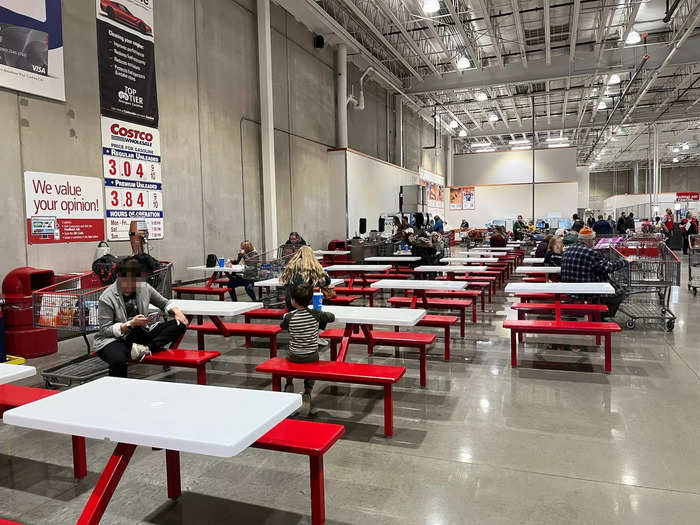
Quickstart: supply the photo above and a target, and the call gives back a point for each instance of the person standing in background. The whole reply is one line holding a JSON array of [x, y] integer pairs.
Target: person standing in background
[[689, 226], [602, 227], [629, 223], [519, 227], [578, 223], [668, 223], [621, 223], [439, 226], [612, 224]]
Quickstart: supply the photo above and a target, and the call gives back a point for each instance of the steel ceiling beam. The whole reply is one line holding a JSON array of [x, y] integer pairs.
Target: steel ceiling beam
[[573, 29], [463, 33], [547, 34], [519, 30], [491, 31]]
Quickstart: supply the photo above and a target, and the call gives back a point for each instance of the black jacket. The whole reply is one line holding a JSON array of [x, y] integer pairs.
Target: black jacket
[[621, 225]]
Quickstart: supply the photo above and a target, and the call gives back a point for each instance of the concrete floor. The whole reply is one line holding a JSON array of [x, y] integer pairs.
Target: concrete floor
[[555, 441]]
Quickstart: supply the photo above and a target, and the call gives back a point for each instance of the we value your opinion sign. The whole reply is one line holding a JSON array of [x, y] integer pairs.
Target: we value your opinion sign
[[63, 208]]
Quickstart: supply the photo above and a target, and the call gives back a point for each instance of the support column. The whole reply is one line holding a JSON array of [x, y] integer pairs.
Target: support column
[[655, 189], [449, 174], [269, 185], [341, 95], [635, 181], [398, 135]]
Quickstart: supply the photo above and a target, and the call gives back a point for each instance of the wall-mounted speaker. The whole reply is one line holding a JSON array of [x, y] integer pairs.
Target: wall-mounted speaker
[[381, 224], [363, 226], [319, 42]]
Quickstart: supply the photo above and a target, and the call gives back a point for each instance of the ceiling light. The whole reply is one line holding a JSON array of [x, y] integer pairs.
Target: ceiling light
[[481, 145], [493, 117], [462, 132], [519, 142], [560, 145], [481, 96], [593, 165], [613, 139], [485, 150], [516, 148], [431, 6], [633, 37], [463, 62], [557, 139], [614, 79], [685, 147], [602, 105], [454, 124], [675, 150], [675, 159]]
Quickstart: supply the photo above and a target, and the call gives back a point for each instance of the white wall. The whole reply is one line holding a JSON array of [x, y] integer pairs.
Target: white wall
[[511, 167], [499, 201], [372, 186]]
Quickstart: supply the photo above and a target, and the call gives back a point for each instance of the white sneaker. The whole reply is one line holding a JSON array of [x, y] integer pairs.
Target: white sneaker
[[323, 342], [138, 352], [289, 388], [305, 405]]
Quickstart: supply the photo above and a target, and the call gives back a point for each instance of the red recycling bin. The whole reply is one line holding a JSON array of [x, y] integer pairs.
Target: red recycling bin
[[21, 338]]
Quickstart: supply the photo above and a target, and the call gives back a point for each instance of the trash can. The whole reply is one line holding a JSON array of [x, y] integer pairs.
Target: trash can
[[21, 338]]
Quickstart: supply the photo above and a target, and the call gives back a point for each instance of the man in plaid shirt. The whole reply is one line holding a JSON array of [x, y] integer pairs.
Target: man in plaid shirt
[[582, 264]]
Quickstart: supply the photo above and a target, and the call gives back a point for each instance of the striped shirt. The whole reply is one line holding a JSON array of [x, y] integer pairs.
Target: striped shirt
[[303, 326]]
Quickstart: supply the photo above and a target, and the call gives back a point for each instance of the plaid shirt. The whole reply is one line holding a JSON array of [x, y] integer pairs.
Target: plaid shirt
[[582, 264]]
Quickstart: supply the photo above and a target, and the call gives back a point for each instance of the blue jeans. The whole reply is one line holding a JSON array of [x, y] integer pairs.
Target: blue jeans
[[236, 280]]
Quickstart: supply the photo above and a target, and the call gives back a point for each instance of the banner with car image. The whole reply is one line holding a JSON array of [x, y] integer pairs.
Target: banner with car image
[[126, 60], [31, 47]]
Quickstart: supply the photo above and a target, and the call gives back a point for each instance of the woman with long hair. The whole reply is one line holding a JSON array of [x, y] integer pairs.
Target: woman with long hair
[[303, 268], [247, 250]]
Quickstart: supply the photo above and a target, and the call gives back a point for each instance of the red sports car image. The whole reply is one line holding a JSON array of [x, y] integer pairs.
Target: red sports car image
[[120, 13]]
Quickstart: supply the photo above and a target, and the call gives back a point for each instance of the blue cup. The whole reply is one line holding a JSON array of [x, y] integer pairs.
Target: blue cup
[[318, 300], [222, 262]]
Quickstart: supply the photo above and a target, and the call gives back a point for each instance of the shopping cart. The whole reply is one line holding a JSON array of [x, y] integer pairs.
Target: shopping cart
[[647, 281], [694, 263], [71, 307], [269, 265]]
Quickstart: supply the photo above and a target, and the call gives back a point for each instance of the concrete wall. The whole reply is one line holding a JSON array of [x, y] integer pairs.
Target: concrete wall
[[609, 183], [206, 55]]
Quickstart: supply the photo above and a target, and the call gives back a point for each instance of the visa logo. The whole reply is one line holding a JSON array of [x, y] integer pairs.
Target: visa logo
[[39, 69]]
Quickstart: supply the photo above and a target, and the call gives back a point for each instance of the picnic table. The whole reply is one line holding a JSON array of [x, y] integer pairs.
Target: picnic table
[[177, 417], [547, 271], [533, 260], [358, 270], [468, 260], [419, 287], [559, 289], [11, 373], [332, 252], [275, 283], [451, 270]]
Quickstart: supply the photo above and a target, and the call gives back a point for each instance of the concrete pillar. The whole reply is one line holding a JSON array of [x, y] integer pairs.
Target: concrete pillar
[[635, 182], [655, 181], [449, 174], [267, 149], [398, 136], [341, 95]]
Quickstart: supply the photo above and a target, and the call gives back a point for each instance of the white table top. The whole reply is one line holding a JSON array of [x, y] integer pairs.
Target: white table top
[[358, 268], [491, 253], [332, 252], [275, 283], [404, 253], [462, 260], [398, 258], [411, 284], [452, 269], [492, 249], [533, 260], [375, 315], [565, 288], [10, 373], [236, 268], [538, 269], [174, 416], [218, 308]]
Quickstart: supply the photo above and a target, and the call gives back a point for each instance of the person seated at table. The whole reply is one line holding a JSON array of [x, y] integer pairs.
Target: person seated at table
[[602, 226], [422, 247], [126, 332], [303, 268], [464, 225], [295, 240], [541, 249], [247, 251], [498, 239], [555, 249], [303, 325], [438, 226], [582, 264]]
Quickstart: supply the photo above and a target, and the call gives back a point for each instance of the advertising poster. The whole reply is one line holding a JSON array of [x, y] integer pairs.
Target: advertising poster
[[126, 60], [468, 198], [63, 208], [31, 47], [455, 198], [133, 182]]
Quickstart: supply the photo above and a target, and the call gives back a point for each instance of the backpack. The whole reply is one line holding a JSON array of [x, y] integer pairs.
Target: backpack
[[104, 268], [212, 260]]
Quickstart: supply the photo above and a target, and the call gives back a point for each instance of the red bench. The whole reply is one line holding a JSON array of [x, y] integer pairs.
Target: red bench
[[276, 314], [518, 327], [342, 300], [196, 359], [460, 305], [438, 321], [388, 276], [458, 294], [307, 438], [13, 396], [339, 371], [592, 311], [201, 290], [395, 339], [268, 331], [369, 292]]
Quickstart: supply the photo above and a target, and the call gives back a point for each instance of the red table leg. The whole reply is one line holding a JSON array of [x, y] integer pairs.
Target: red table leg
[[106, 485], [608, 353], [79, 460], [513, 349], [172, 468], [349, 329], [388, 412]]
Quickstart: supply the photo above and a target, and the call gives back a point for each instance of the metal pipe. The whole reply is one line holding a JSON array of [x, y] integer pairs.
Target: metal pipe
[[341, 95], [398, 136], [671, 10]]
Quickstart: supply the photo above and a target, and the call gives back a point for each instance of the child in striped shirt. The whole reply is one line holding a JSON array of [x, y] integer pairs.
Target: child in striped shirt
[[303, 325]]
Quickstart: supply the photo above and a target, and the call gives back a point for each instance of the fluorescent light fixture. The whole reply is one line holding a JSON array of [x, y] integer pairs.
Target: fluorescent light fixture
[[633, 38], [559, 145], [481, 96], [519, 142], [431, 6], [462, 132], [602, 105], [685, 147], [675, 150], [481, 145], [593, 165], [454, 124], [614, 79], [557, 139], [485, 150], [613, 139], [675, 159], [493, 117], [517, 148], [463, 62]]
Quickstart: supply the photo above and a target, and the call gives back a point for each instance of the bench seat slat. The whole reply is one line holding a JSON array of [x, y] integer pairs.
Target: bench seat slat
[[301, 437], [360, 373]]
